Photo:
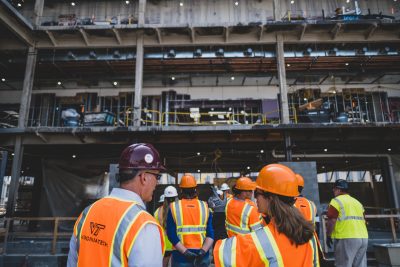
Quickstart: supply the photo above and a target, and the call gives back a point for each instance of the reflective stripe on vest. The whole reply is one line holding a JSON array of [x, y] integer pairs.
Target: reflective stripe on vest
[[129, 217], [244, 217], [79, 226], [227, 252], [244, 227], [343, 216], [267, 247], [236, 229]]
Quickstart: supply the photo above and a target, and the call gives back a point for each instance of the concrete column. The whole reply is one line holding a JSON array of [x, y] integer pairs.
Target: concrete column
[[288, 147], [3, 165], [280, 58], [22, 123], [138, 80], [277, 9], [142, 10], [38, 12]]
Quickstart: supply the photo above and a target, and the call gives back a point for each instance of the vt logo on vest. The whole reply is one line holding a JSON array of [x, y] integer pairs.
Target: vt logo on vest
[[96, 227]]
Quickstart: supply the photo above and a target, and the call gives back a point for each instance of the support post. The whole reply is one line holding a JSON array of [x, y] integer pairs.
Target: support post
[[288, 147], [137, 109], [280, 58], [277, 9], [22, 123], [38, 12], [3, 165], [142, 10]]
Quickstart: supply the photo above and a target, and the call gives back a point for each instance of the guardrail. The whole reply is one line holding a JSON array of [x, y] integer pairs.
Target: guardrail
[[10, 230]]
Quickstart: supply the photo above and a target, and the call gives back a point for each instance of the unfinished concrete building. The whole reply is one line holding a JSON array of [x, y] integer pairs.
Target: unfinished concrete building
[[220, 87]]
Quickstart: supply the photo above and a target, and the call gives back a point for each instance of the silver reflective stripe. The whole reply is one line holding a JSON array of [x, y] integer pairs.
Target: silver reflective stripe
[[203, 212], [80, 225], [188, 229], [227, 252], [343, 216], [315, 250], [266, 246], [256, 226], [128, 218], [236, 229], [178, 213], [245, 215]]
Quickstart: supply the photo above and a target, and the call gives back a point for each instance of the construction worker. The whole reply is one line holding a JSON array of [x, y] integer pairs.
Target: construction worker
[[285, 241], [309, 211], [241, 216], [189, 227], [346, 225], [225, 189], [169, 196], [217, 204], [116, 230], [161, 200]]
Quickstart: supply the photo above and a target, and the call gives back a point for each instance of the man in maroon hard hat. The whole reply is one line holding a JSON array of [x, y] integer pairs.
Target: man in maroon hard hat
[[116, 230]]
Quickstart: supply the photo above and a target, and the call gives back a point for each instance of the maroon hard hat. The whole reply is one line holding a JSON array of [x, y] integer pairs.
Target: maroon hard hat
[[140, 157]]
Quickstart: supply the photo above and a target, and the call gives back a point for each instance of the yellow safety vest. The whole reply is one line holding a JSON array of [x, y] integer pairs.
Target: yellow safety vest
[[350, 222], [159, 217]]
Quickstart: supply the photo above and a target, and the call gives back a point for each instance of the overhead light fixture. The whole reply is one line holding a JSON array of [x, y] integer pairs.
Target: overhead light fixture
[[59, 83], [173, 78], [287, 65], [197, 52], [171, 53], [19, 5], [116, 54], [219, 52], [72, 3], [198, 154], [305, 99], [346, 64], [12, 154], [323, 167], [127, 2], [107, 172], [389, 149], [248, 167], [73, 156], [198, 170], [325, 150], [233, 78], [115, 83], [346, 161], [262, 151], [3, 79], [236, 3], [180, 4], [347, 1], [92, 54], [248, 52], [292, 2], [297, 158]]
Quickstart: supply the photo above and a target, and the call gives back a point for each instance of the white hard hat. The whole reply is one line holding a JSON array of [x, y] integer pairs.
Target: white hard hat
[[219, 192], [225, 187], [170, 191], [161, 199]]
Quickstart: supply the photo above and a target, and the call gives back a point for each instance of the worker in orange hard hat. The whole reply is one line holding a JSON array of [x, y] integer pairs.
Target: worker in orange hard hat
[[241, 216], [189, 227], [285, 240], [309, 211]]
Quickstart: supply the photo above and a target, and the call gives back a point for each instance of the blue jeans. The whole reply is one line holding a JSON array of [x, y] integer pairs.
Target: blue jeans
[[203, 262]]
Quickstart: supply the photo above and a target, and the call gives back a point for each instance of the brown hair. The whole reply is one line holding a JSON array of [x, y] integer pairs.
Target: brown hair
[[165, 208], [289, 220]]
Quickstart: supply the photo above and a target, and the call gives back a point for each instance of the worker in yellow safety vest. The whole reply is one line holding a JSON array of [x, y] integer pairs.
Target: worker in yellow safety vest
[[346, 226], [242, 216], [116, 230], [169, 196], [189, 227], [285, 240], [309, 211]]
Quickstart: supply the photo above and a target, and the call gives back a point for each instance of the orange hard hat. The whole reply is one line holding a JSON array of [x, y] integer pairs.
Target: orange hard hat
[[278, 179], [245, 183], [188, 181], [300, 180]]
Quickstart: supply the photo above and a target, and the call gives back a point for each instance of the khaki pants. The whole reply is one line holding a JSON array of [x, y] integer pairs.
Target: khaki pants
[[351, 252]]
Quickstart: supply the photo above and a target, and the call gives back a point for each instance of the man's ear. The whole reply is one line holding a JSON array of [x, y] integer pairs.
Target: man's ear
[[143, 178]]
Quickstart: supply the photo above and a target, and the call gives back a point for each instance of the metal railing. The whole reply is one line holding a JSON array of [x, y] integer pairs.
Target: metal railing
[[11, 230]]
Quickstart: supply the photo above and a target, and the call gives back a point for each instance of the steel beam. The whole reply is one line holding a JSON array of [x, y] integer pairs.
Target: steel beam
[[21, 31], [52, 38], [117, 36], [137, 113], [371, 30]]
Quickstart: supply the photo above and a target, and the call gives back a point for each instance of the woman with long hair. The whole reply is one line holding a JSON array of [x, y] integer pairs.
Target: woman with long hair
[[285, 240], [170, 195]]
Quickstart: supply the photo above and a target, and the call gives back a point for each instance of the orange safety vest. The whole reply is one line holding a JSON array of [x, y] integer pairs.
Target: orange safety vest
[[241, 217], [190, 216], [106, 231], [264, 247], [308, 209]]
